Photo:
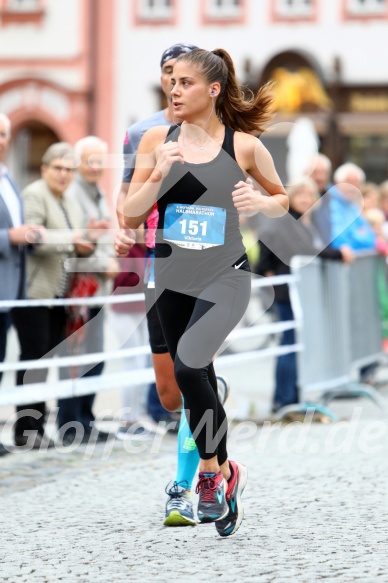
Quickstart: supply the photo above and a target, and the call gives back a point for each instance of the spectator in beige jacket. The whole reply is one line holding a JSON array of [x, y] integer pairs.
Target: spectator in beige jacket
[[87, 192], [41, 329]]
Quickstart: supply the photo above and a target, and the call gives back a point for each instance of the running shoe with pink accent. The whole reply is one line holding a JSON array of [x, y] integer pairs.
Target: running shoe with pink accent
[[212, 503], [236, 484]]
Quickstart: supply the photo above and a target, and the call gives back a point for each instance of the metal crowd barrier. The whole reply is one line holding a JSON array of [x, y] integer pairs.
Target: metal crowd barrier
[[340, 325], [336, 318], [43, 391]]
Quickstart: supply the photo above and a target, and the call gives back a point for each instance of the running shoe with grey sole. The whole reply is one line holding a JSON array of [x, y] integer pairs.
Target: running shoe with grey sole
[[179, 508]]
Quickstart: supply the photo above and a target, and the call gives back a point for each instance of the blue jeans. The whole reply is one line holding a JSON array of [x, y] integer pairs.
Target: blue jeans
[[154, 406], [286, 391]]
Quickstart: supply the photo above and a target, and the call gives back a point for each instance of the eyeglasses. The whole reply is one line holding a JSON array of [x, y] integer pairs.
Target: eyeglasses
[[61, 169]]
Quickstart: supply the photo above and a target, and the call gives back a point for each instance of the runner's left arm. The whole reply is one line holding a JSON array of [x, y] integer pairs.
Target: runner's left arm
[[269, 197]]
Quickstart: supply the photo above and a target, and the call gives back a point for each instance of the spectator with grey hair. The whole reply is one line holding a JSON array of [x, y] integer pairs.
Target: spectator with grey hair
[[319, 170], [40, 329], [13, 240], [351, 174], [86, 191], [349, 227]]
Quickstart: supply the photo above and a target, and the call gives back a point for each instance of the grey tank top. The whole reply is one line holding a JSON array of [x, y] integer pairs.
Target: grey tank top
[[198, 237]]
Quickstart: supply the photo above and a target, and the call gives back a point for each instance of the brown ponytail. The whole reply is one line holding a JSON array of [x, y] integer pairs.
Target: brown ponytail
[[236, 109]]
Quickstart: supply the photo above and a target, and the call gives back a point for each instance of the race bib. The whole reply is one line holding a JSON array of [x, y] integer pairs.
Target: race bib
[[194, 226]]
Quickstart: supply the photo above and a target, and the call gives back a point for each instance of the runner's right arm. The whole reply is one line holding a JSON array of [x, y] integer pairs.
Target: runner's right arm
[[153, 162], [120, 203]]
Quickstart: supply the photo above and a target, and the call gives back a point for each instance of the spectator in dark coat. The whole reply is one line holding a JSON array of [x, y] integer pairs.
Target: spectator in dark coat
[[292, 234], [13, 240]]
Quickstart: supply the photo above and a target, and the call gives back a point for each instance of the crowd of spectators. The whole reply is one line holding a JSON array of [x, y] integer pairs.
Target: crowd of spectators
[[335, 217], [57, 241]]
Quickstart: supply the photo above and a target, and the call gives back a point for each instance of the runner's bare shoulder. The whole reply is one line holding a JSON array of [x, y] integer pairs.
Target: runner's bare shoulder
[[153, 138]]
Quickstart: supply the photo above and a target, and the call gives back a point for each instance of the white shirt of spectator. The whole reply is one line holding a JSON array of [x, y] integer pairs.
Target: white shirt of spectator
[[10, 197]]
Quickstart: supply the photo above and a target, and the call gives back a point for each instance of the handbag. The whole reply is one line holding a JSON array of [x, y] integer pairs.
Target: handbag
[[82, 285]]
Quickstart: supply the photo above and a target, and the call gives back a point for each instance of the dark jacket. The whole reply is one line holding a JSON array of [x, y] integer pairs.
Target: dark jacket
[[321, 217], [281, 239], [12, 257]]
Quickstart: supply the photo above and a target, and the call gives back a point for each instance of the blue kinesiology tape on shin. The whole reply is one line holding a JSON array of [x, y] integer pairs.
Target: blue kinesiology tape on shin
[[188, 457]]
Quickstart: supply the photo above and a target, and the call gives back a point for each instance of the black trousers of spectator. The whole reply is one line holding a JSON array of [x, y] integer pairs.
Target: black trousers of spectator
[[80, 409], [39, 330], [4, 325]]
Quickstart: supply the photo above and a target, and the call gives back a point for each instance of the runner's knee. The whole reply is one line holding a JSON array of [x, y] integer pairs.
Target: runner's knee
[[170, 396], [186, 376]]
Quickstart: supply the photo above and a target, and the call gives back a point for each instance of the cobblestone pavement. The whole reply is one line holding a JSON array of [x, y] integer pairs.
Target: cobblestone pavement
[[315, 510]]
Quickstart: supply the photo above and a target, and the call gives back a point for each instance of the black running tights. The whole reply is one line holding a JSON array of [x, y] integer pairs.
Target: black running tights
[[194, 329]]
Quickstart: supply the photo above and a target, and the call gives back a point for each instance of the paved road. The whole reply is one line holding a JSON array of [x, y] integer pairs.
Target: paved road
[[316, 510]]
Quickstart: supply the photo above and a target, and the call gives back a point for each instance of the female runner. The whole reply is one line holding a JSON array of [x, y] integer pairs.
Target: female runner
[[199, 174]]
